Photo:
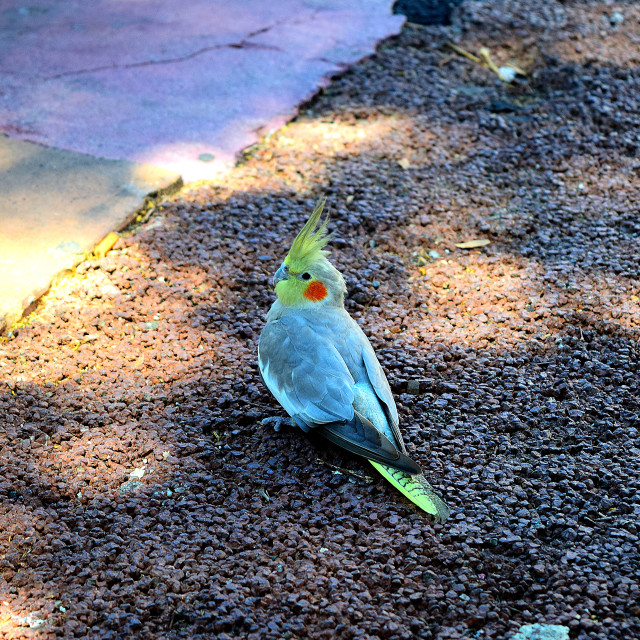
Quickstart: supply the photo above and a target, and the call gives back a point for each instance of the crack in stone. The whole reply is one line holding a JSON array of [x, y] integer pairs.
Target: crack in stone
[[342, 66], [242, 44]]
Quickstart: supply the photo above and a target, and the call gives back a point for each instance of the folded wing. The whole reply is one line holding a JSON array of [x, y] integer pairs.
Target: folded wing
[[308, 376]]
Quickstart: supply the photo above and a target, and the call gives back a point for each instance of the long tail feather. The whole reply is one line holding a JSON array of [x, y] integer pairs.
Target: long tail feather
[[417, 489]]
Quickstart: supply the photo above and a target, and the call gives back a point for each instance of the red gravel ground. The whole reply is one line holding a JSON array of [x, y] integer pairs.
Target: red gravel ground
[[141, 498]]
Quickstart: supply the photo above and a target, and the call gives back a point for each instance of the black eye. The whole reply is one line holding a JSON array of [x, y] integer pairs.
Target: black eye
[[306, 276]]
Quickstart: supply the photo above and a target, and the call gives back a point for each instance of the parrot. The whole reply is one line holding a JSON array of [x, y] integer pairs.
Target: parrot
[[319, 365]]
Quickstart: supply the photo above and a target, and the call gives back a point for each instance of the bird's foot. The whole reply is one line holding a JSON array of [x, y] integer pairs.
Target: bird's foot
[[277, 422]]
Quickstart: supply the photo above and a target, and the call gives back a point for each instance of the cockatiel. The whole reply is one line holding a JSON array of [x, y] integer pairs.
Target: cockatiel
[[321, 368]]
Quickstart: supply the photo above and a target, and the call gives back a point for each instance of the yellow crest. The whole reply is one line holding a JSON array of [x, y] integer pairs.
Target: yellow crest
[[310, 242]]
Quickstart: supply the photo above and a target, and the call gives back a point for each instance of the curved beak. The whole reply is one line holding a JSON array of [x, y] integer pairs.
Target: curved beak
[[281, 274]]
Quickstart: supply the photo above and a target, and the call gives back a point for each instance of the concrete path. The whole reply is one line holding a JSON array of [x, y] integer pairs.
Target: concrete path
[[56, 205], [182, 86]]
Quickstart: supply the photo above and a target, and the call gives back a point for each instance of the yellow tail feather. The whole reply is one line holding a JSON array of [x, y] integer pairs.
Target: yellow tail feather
[[417, 489]]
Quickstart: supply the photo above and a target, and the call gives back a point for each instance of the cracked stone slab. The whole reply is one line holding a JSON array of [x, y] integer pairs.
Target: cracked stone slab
[[54, 206], [183, 86]]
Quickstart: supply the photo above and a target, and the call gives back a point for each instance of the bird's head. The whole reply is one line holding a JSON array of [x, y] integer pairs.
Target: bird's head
[[306, 279]]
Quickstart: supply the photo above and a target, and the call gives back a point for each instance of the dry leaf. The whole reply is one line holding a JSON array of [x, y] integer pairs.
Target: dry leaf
[[404, 163], [473, 244], [103, 247]]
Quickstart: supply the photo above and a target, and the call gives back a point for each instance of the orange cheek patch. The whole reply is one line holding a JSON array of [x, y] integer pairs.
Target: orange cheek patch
[[315, 292]]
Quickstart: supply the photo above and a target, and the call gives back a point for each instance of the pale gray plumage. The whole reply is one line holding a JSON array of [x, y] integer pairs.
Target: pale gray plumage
[[322, 369], [313, 361]]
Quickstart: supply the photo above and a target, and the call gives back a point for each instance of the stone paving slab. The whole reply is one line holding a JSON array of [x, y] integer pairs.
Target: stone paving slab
[[185, 86], [54, 206]]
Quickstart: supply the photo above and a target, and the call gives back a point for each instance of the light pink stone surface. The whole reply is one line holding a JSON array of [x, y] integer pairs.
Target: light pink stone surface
[[164, 82]]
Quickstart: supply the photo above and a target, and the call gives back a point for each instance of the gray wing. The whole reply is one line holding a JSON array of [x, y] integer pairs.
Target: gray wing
[[310, 379], [380, 384], [361, 437], [305, 373]]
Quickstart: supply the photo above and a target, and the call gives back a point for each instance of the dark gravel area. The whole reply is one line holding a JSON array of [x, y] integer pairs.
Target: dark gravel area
[[141, 498]]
